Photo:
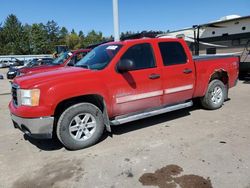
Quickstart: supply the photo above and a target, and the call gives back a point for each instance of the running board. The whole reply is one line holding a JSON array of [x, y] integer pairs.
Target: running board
[[126, 119]]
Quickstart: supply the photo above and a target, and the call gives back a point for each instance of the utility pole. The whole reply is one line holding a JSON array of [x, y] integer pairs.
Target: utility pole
[[116, 20]]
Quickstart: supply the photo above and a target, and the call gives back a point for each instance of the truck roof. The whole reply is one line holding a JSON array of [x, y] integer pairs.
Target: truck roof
[[145, 40]]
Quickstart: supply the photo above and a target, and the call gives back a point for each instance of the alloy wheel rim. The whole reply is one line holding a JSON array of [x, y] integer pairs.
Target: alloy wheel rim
[[82, 127], [216, 95]]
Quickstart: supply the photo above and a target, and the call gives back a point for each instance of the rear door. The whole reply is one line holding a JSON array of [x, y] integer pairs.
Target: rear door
[[140, 88], [178, 73]]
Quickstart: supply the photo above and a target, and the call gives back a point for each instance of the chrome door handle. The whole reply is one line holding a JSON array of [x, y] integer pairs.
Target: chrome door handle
[[187, 71], [154, 76]]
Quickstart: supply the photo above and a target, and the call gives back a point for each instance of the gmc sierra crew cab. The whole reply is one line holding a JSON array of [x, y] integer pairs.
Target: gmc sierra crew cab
[[116, 83]]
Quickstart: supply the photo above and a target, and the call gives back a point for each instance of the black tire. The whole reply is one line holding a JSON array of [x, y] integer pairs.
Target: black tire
[[65, 122], [208, 101]]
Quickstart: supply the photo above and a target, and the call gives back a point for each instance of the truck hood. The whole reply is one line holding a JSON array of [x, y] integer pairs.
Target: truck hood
[[54, 76]]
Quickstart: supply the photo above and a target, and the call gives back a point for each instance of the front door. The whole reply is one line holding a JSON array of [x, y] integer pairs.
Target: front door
[[139, 88]]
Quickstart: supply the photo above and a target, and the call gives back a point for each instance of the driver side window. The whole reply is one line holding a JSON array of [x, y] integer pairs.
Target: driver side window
[[141, 55]]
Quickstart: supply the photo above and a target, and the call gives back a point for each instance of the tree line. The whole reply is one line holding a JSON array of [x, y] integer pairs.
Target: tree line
[[39, 38]]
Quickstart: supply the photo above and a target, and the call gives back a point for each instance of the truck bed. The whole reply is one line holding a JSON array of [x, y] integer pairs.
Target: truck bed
[[206, 65]]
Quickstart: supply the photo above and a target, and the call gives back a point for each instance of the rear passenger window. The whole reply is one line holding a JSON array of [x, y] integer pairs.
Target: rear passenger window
[[172, 53], [141, 55]]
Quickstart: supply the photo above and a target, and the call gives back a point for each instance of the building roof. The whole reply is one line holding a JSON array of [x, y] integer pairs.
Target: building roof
[[226, 19], [211, 24]]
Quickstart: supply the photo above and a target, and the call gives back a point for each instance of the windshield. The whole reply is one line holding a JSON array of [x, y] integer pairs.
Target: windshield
[[64, 56], [99, 57]]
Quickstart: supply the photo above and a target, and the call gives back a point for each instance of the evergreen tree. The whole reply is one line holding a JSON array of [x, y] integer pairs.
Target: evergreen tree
[[93, 37], [63, 33], [26, 40], [72, 41], [80, 34], [53, 34], [12, 33], [81, 40], [73, 31], [39, 42]]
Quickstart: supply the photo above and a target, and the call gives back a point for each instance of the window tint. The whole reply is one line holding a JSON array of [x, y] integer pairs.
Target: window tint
[[141, 55], [172, 53]]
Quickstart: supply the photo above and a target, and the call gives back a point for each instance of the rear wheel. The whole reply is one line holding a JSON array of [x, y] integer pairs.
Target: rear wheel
[[80, 126], [215, 95]]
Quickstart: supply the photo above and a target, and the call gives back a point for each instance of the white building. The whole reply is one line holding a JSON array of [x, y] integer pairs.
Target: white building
[[230, 34]]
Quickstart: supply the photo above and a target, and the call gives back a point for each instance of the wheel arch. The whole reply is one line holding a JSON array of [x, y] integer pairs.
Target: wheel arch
[[221, 75], [94, 99]]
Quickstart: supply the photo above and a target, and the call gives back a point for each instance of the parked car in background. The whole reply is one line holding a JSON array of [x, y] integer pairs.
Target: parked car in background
[[69, 58], [15, 62], [7, 62], [14, 71], [3, 64], [116, 83]]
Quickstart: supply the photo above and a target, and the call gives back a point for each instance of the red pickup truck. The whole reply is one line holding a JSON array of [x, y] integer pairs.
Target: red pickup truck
[[66, 58], [115, 83]]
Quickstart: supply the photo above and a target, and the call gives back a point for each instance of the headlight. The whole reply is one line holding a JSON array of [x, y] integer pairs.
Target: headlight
[[29, 97]]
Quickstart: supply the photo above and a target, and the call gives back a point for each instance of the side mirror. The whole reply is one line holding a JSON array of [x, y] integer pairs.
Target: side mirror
[[125, 65]]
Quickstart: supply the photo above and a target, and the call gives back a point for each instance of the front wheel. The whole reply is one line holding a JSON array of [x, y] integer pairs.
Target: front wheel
[[215, 95], [80, 126]]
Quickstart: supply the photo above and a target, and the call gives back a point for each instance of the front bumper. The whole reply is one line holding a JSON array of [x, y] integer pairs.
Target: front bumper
[[34, 127]]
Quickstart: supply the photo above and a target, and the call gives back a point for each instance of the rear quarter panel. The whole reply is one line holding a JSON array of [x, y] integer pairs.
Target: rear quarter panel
[[205, 68]]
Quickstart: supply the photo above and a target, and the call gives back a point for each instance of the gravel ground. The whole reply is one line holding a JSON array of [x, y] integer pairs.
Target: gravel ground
[[187, 148]]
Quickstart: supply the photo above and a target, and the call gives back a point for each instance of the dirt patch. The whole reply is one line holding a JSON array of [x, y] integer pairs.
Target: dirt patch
[[128, 173], [168, 177], [50, 174]]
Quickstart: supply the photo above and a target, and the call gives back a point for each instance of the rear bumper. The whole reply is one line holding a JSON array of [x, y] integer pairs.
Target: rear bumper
[[34, 127]]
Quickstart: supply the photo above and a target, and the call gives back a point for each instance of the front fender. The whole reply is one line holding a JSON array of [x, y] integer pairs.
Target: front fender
[[75, 88]]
